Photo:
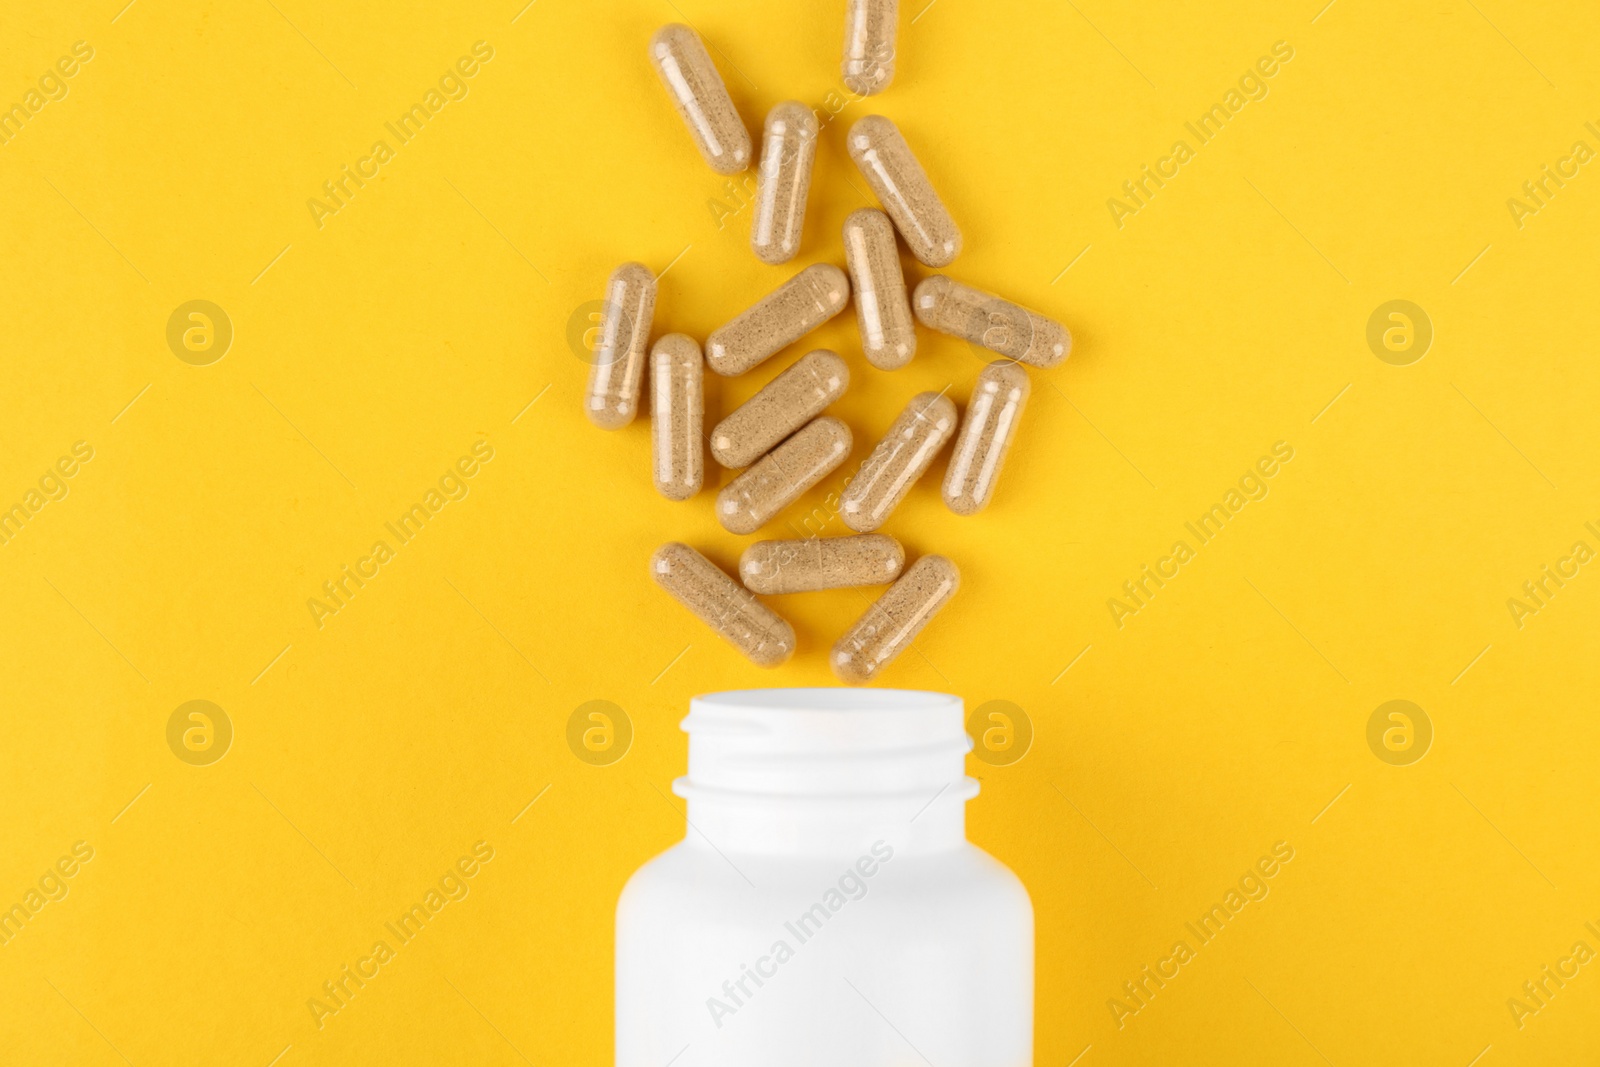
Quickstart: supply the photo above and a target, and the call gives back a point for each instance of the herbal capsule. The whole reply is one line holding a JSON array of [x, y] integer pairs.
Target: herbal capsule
[[883, 311], [1002, 327], [700, 97], [985, 436], [869, 27], [626, 312], [722, 604], [783, 405], [807, 564], [788, 148], [898, 461], [750, 500], [778, 319], [902, 187], [677, 413], [889, 626]]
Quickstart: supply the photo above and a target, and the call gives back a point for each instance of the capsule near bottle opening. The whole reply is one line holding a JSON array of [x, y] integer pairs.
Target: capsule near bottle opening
[[778, 319], [1004, 328], [889, 626], [722, 604], [626, 313], [788, 149], [984, 440], [700, 96], [677, 415], [883, 310], [808, 564], [903, 188]]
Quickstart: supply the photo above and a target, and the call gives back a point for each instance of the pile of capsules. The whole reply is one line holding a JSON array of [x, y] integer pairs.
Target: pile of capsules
[[780, 437]]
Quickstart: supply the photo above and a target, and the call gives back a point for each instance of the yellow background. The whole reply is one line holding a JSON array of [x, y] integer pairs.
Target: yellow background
[[426, 315]]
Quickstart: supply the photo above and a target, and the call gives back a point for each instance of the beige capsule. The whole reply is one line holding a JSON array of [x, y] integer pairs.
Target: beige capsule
[[701, 98], [722, 604], [901, 457], [778, 319], [890, 625], [869, 31], [749, 501], [902, 187], [985, 436], [883, 310], [788, 149], [612, 398], [783, 405], [1002, 327], [677, 414], [806, 564]]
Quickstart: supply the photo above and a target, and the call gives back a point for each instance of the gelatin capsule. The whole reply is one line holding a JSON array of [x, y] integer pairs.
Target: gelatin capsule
[[749, 501], [901, 457], [1002, 327], [890, 625], [612, 398], [677, 413], [701, 98], [807, 564], [788, 149], [902, 187], [778, 319], [783, 405], [869, 29], [985, 436], [722, 604], [883, 310]]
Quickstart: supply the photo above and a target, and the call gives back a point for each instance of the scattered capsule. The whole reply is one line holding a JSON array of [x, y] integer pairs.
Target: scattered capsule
[[788, 148], [701, 98], [749, 501], [807, 564], [883, 311], [783, 405], [869, 28], [1002, 327], [778, 319], [902, 187], [905, 452], [677, 413], [722, 604], [890, 625], [985, 436], [612, 399]]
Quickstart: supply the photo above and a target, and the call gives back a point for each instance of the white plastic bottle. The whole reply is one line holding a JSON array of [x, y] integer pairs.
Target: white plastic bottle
[[825, 908]]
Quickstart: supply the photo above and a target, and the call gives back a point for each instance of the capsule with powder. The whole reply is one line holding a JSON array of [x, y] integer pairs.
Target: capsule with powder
[[883, 311], [612, 399], [749, 501], [905, 452], [677, 415], [985, 436], [804, 565], [902, 187], [701, 98], [722, 604], [778, 319], [1002, 327], [890, 625], [783, 405], [788, 149], [869, 31]]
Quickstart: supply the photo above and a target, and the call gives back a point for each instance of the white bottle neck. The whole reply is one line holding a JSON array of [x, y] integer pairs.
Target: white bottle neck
[[746, 824]]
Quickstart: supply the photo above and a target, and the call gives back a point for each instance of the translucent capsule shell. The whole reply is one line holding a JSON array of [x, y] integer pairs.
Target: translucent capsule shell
[[986, 433], [788, 149], [701, 98], [905, 452], [751, 500], [779, 319], [869, 33], [804, 565], [612, 398], [902, 187], [883, 310], [722, 604], [889, 626], [783, 405], [984, 319], [677, 415]]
